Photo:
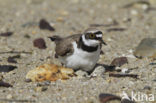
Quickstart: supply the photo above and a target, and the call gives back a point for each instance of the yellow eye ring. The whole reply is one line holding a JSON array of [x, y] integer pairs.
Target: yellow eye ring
[[91, 35]]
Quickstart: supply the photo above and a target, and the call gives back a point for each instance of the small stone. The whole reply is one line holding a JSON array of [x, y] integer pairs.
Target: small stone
[[147, 88], [134, 12], [125, 70], [33, 32], [98, 71], [145, 7], [105, 98], [44, 83], [81, 73], [7, 68], [110, 20], [64, 13], [40, 43], [9, 96], [11, 59], [44, 89], [154, 80], [143, 4], [40, 89], [4, 84], [130, 56], [126, 19], [118, 62], [45, 25], [20, 91], [109, 39], [1, 77], [146, 48], [27, 36], [47, 83], [28, 80], [23, 55], [6, 34], [60, 19], [115, 29]]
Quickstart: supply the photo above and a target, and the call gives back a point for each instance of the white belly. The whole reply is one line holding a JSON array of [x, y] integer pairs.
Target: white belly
[[81, 59]]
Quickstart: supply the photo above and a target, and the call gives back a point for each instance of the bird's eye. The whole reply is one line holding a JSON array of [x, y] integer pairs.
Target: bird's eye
[[91, 36]]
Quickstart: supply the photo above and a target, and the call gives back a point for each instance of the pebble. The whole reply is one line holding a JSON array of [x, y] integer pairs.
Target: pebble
[[28, 80], [9, 96], [45, 25], [40, 89], [105, 98], [130, 56], [60, 19], [99, 71], [44, 83], [145, 7], [140, 4], [27, 36], [130, 51], [147, 88], [12, 59], [134, 12], [5, 84], [23, 55], [154, 80], [39, 43], [109, 39], [81, 73], [146, 48], [6, 34], [118, 62], [1, 77], [125, 19], [64, 13], [125, 70], [7, 68]]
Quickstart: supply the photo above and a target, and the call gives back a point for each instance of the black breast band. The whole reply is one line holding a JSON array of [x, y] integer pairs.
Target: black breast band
[[85, 47]]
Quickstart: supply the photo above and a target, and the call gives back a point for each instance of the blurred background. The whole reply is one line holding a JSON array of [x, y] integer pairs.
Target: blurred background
[[124, 24]]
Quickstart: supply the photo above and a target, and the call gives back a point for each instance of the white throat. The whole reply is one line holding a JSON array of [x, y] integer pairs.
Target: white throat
[[90, 42]]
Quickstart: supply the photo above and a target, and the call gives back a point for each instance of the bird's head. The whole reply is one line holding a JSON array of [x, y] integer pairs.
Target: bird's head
[[93, 37]]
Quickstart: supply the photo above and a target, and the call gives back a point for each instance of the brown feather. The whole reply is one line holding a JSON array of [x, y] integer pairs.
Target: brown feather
[[64, 46]]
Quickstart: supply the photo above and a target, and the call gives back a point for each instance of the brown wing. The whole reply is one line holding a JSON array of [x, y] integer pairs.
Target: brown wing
[[64, 46]]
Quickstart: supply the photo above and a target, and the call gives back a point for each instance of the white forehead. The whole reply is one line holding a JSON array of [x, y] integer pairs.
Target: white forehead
[[92, 31], [99, 35]]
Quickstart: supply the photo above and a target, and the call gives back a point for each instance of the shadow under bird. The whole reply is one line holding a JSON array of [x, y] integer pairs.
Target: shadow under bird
[[79, 51]]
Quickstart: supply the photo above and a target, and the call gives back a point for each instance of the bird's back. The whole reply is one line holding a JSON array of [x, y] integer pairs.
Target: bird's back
[[64, 45]]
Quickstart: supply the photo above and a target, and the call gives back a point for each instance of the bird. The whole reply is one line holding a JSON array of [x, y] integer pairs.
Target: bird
[[79, 51]]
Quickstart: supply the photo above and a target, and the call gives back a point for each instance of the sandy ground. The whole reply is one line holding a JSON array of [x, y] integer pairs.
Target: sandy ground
[[69, 17]]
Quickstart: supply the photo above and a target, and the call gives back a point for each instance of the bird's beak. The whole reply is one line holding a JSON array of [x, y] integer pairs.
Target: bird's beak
[[102, 41]]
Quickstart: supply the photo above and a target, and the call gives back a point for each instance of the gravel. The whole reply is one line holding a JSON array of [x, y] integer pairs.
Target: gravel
[[70, 17]]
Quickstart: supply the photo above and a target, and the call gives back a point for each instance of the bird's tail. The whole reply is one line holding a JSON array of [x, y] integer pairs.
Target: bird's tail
[[55, 38]]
